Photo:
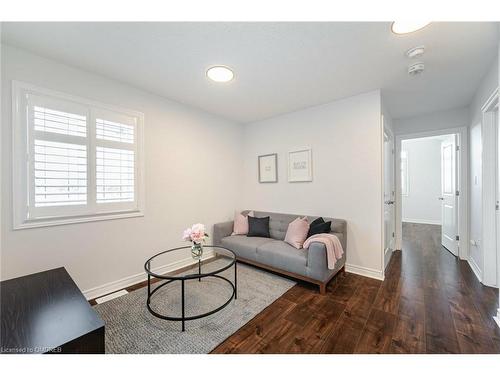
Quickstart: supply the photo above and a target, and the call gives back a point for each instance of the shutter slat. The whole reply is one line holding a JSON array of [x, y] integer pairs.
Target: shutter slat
[[114, 131], [52, 121], [56, 170], [115, 178]]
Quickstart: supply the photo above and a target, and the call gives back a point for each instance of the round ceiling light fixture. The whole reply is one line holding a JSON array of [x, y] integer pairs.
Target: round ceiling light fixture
[[220, 73], [406, 27]]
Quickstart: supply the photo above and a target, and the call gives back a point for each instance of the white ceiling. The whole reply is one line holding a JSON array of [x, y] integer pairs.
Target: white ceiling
[[279, 67]]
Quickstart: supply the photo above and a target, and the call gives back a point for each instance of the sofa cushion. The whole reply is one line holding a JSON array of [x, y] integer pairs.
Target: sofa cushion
[[243, 246], [279, 254], [317, 221], [278, 223], [258, 227], [314, 224], [241, 223], [319, 226], [297, 232]]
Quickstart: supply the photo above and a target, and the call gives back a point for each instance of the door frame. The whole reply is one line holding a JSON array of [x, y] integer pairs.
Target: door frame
[[488, 196], [463, 185], [385, 256]]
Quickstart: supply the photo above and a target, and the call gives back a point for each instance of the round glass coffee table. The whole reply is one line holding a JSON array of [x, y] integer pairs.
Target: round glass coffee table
[[223, 259]]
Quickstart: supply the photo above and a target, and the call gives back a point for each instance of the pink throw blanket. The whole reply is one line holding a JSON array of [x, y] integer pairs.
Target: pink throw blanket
[[333, 246]]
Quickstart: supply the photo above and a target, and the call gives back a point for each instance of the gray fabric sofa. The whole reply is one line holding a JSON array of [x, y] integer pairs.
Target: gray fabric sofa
[[276, 255]]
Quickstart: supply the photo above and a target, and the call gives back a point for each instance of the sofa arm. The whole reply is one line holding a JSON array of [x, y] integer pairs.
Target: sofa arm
[[316, 256], [222, 230]]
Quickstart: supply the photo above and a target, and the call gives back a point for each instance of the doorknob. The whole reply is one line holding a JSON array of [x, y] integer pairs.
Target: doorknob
[[441, 198]]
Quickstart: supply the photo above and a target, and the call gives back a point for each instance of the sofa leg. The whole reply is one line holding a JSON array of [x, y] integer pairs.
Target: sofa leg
[[322, 289]]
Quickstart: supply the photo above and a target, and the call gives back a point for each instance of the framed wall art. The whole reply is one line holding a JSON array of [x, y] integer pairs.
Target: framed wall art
[[300, 165], [268, 168]]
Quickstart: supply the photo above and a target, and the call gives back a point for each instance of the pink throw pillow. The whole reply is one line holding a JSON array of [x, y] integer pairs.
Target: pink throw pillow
[[240, 225], [296, 233]]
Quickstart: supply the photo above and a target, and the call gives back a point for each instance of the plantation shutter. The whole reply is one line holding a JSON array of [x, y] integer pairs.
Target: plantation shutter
[[58, 157], [74, 159], [115, 159]]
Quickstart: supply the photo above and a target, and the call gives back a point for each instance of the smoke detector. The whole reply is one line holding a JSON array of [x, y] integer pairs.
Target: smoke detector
[[415, 52], [416, 68]]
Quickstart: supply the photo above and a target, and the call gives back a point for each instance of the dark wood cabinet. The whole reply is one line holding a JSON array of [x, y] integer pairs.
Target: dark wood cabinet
[[46, 313]]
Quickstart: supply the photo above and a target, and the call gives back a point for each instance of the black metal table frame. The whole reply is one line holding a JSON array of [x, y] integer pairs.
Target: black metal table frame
[[169, 279]]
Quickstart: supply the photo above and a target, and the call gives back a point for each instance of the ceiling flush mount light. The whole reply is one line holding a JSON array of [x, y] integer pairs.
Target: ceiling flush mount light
[[415, 52], [405, 27], [416, 69], [220, 74]]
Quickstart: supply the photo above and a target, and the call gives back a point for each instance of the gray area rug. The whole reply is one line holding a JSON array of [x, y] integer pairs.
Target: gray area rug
[[130, 328]]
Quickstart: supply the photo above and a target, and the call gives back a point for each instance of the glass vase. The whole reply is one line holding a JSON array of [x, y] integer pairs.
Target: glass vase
[[196, 250]]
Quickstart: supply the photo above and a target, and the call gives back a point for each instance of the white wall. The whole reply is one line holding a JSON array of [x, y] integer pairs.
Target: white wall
[[193, 168], [452, 118], [346, 141], [424, 181], [485, 89]]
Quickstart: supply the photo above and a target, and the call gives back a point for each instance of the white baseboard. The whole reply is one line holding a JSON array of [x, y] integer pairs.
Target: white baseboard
[[109, 297], [365, 271], [475, 268], [387, 256], [422, 221], [113, 286], [497, 318]]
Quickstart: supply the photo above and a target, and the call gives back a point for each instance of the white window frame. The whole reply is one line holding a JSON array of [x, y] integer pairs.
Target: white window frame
[[21, 168]]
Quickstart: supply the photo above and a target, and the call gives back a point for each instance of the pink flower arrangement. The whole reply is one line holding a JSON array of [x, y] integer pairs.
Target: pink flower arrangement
[[195, 234]]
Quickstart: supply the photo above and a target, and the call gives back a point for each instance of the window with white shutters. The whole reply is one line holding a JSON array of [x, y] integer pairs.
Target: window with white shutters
[[116, 159], [113, 131], [50, 120], [115, 175], [74, 160], [60, 173]]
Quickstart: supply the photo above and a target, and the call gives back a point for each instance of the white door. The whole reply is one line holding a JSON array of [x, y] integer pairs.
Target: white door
[[449, 198], [389, 193], [497, 212]]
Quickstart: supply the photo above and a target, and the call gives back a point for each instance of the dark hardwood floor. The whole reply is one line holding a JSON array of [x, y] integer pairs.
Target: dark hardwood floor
[[429, 302]]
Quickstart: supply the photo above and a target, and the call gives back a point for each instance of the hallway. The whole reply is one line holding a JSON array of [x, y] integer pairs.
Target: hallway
[[429, 302], [447, 288]]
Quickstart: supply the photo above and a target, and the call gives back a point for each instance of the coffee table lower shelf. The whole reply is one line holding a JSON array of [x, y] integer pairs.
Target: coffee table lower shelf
[[182, 280]]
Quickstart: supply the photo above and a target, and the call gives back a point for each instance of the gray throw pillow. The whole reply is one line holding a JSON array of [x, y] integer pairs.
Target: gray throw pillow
[[258, 227]]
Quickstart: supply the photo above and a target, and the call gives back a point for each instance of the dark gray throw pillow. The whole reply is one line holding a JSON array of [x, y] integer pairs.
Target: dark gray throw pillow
[[319, 226], [317, 221], [258, 227]]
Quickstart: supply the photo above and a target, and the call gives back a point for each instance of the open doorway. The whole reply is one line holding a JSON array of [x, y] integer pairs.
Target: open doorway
[[429, 194], [432, 189]]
